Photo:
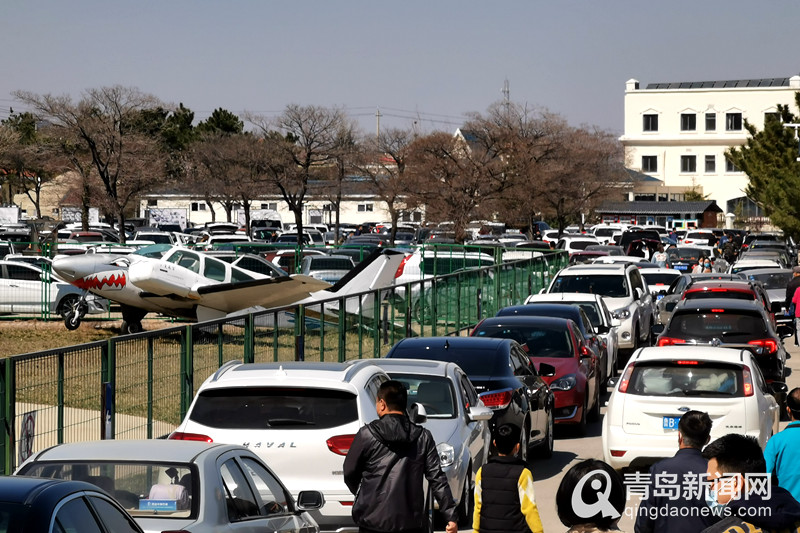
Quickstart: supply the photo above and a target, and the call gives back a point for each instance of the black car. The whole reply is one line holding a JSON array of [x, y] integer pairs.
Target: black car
[[503, 375], [574, 313], [728, 323], [29, 504]]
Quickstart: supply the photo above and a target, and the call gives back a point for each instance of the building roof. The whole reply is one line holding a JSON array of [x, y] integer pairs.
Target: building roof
[[638, 177], [658, 208], [727, 84]]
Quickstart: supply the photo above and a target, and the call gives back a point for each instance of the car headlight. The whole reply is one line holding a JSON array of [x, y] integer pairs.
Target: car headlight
[[447, 454], [622, 313], [567, 382]]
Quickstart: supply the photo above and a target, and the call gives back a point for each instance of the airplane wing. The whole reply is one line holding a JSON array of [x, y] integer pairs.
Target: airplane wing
[[268, 292]]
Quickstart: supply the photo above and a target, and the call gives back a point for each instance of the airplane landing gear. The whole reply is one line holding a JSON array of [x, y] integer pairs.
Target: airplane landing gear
[[72, 309], [132, 320]]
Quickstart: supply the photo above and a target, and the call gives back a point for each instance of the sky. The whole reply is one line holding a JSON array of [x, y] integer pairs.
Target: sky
[[423, 64]]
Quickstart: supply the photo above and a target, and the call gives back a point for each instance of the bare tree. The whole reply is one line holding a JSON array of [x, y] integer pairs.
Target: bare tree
[[384, 162], [127, 161], [301, 149]]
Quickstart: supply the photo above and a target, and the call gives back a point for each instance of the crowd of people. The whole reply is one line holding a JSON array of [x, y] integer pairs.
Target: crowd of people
[[725, 486]]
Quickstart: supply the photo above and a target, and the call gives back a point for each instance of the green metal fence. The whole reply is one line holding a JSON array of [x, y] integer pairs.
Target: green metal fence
[[140, 386]]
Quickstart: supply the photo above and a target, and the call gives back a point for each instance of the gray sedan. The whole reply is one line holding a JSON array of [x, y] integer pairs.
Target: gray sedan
[[456, 417], [190, 486]]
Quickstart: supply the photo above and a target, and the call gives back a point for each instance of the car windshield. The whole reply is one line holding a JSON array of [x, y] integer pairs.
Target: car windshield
[[538, 341], [274, 407], [613, 286], [433, 392], [774, 280], [145, 489], [656, 278], [685, 254], [686, 379], [730, 326], [581, 245], [474, 362]]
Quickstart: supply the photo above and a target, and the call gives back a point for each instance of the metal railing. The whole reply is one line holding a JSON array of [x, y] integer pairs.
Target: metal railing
[[141, 385]]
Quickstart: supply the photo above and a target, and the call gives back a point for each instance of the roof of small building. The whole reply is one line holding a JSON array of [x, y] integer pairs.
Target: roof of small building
[[647, 208]]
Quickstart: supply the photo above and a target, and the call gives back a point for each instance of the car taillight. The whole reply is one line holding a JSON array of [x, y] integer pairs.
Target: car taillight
[[497, 399], [748, 381], [340, 444], [625, 379], [617, 453], [402, 266], [669, 341], [177, 435], [769, 344]]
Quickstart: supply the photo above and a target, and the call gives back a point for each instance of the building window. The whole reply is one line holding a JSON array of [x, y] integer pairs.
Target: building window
[[733, 122], [771, 116], [711, 164], [270, 205], [198, 206], [649, 163], [364, 208], [711, 122], [688, 163], [650, 123], [152, 203], [688, 122], [730, 167]]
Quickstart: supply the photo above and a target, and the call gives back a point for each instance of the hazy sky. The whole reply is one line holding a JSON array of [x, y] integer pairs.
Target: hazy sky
[[430, 61]]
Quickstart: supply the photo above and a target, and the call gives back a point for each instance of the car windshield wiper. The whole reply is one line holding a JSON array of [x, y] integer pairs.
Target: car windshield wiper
[[289, 422]]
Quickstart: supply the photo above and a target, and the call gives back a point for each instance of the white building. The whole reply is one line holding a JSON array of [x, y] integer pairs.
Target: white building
[[679, 132]]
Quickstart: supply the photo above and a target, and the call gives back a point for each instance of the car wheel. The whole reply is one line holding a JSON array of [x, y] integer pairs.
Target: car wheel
[[465, 505], [580, 429], [594, 414], [546, 447]]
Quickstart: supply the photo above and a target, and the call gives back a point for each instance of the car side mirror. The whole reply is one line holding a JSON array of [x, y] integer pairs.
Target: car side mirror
[[308, 500], [612, 382], [778, 387], [585, 352], [547, 370], [657, 329], [785, 330], [417, 413], [602, 329], [479, 412], [637, 293]]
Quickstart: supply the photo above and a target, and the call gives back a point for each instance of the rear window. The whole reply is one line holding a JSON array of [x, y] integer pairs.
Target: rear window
[[731, 295], [330, 263], [654, 278], [777, 280], [730, 326], [472, 362], [613, 286], [537, 341], [274, 407], [685, 254], [435, 393], [581, 245], [686, 378]]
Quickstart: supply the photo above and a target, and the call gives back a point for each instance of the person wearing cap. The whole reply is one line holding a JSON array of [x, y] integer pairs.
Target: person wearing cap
[[781, 450], [504, 499]]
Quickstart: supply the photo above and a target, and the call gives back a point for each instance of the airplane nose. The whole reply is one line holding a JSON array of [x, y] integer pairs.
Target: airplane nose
[[72, 268]]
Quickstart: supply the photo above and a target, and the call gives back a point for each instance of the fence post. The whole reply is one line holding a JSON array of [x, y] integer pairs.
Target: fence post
[[8, 413], [299, 334], [187, 367], [342, 348], [108, 372], [249, 339]]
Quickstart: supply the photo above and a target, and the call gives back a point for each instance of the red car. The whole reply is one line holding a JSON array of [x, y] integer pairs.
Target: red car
[[557, 342], [737, 290]]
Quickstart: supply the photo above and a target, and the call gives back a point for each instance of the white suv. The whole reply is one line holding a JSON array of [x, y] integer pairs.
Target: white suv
[[299, 417], [626, 294]]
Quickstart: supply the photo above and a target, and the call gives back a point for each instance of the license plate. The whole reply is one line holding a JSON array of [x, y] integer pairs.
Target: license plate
[[671, 422], [681, 267]]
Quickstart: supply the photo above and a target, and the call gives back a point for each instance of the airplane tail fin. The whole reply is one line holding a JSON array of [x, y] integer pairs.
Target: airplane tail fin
[[375, 272]]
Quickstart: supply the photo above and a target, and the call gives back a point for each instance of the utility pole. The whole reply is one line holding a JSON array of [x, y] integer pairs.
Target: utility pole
[[378, 122], [506, 95]]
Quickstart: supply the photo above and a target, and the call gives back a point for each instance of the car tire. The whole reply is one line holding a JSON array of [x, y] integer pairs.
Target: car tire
[[545, 449], [594, 413], [465, 506], [580, 428]]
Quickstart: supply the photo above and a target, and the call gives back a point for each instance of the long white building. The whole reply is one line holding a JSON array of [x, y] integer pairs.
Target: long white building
[[679, 132]]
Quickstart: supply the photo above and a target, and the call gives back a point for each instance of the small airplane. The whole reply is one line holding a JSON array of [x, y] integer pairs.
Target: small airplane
[[181, 282]]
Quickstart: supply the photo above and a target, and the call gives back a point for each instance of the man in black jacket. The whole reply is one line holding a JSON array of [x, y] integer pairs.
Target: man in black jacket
[[677, 506], [385, 466]]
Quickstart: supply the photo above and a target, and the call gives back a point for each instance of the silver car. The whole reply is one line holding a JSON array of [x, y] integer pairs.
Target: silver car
[[187, 486], [456, 418]]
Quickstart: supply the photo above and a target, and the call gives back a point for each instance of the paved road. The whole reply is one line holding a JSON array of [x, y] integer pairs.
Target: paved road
[[570, 450]]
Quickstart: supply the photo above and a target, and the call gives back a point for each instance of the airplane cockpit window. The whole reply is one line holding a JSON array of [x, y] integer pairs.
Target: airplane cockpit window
[[214, 269], [186, 259]]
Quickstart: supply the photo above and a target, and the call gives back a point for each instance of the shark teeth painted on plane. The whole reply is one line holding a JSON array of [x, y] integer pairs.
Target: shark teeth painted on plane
[[113, 281]]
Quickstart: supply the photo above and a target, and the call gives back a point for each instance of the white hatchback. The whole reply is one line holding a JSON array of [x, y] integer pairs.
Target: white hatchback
[[299, 417], [660, 384]]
